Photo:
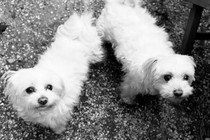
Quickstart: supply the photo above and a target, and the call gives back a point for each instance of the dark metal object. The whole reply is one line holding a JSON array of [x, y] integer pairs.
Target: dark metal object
[[3, 27], [191, 33]]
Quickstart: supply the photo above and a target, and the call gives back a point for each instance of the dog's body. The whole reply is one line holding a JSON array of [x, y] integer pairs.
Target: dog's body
[[145, 51], [47, 93]]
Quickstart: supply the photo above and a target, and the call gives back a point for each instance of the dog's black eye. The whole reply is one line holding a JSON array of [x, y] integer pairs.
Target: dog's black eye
[[30, 90], [49, 87], [167, 77], [186, 77]]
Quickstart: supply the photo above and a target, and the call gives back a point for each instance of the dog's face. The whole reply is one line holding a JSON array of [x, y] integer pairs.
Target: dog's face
[[172, 76], [33, 90]]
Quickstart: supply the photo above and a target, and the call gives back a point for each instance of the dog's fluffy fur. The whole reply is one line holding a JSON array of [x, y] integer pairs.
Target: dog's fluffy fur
[[47, 93], [146, 53]]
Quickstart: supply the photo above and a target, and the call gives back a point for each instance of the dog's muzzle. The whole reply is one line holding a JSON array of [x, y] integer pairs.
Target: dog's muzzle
[[43, 101], [178, 92]]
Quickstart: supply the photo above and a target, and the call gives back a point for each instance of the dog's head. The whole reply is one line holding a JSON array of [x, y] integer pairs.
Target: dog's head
[[171, 76], [33, 90]]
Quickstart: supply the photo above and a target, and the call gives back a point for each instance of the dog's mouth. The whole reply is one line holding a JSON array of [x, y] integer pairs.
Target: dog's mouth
[[44, 107], [176, 99]]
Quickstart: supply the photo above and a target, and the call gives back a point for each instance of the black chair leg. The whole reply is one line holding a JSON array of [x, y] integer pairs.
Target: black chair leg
[[191, 29], [3, 27]]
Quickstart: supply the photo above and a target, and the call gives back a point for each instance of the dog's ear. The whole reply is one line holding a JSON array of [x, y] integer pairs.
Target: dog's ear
[[62, 89], [6, 76], [9, 89], [149, 71], [148, 66], [58, 83], [192, 61]]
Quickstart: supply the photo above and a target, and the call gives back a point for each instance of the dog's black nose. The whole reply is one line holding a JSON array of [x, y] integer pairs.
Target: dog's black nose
[[178, 92], [43, 100]]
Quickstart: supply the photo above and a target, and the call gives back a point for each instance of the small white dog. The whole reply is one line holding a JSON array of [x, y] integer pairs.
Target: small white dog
[[146, 53], [47, 93]]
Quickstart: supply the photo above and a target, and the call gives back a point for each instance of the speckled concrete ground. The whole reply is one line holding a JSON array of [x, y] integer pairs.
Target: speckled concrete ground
[[100, 114]]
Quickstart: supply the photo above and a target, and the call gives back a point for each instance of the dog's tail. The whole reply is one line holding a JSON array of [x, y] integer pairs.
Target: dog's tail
[[76, 26], [131, 3], [81, 28]]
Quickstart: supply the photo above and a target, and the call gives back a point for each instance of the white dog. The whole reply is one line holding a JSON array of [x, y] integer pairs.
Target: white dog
[[146, 53], [47, 93]]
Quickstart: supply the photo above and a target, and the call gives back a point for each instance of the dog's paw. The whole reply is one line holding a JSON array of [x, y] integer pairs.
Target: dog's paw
[[59, 130], [127, 100], [128, 94]]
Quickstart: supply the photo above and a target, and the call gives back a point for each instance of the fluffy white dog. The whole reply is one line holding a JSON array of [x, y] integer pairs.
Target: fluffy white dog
[[146, 53], [47, 93]]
